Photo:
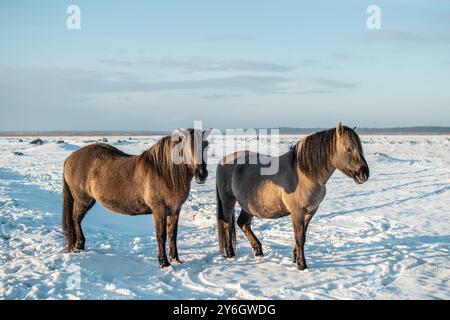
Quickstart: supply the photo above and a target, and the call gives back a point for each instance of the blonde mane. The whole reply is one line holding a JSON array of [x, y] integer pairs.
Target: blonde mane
[[315, 153], [159, 157]]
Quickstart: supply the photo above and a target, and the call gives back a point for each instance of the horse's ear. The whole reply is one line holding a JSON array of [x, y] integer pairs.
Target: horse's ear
[[339, 129], [178, 135], [206, 133]]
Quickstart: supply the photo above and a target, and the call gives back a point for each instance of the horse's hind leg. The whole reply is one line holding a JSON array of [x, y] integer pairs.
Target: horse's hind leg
[[80, 207], [244, 221], [226, 225]]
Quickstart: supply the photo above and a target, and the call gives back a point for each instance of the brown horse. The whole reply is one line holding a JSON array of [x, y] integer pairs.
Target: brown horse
[[297, 188], [156, 182]]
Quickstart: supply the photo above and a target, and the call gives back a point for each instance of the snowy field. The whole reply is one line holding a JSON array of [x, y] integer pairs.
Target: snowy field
[[386, 239]]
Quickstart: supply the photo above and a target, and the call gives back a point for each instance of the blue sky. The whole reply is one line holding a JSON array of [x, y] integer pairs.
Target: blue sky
[[151, 65]]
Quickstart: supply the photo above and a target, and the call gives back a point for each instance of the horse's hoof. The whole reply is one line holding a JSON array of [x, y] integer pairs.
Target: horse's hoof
[[228, 253], [258, 252], [74, 250], [164, 264], [79, 246], [301, 266], [175, 260]]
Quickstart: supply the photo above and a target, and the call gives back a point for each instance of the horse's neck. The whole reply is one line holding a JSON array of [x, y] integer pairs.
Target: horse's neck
[[319, 180], [187, 186], [326, 176]]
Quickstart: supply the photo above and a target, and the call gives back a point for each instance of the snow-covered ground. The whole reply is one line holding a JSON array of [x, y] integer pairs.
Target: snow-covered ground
[[388, 238]]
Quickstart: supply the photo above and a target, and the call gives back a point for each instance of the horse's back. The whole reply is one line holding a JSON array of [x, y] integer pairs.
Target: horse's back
[[84, 163], [96, 150], [239, 176], [238, 157], [229, 163]]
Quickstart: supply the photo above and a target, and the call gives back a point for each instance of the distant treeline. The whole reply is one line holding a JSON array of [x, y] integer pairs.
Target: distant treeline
[[81, 133], [395, 130], [283, 130]]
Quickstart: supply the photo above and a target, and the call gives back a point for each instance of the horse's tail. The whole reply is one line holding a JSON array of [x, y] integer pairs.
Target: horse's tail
[[67, 214], [222, 231]]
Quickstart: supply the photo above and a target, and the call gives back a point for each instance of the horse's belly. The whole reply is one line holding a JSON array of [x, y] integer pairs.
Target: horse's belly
[[267, 210], [272, 215], [263, 201], [132, 208]]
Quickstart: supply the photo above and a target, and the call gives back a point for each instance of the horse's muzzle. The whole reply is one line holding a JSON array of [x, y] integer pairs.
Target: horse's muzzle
[[362, 175], [200, 181], [200, 176]]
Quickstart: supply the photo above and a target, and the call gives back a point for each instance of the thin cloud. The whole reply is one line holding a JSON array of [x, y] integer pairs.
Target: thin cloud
[[320, 86], [204, 64], [405, 37], [342, 56], [88, 81], [220, 96], [332, 84], [309, 62], [441, 18], [229, 37], [79, 88], [256, 84]]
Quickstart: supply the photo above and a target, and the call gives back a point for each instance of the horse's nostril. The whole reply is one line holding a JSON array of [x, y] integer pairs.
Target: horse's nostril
[[364, 175], [366, 172]]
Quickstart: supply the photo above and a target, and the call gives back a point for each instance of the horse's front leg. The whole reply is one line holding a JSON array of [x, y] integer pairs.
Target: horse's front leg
[[308, 218], [300, 225], [172, 230], [160, 219]]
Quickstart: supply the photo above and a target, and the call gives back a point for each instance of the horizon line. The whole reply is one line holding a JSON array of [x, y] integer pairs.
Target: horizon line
[[397, 130]]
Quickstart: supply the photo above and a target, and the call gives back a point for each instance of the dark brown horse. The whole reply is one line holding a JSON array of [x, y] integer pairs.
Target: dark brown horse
[[297, 188], [156, 182]]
